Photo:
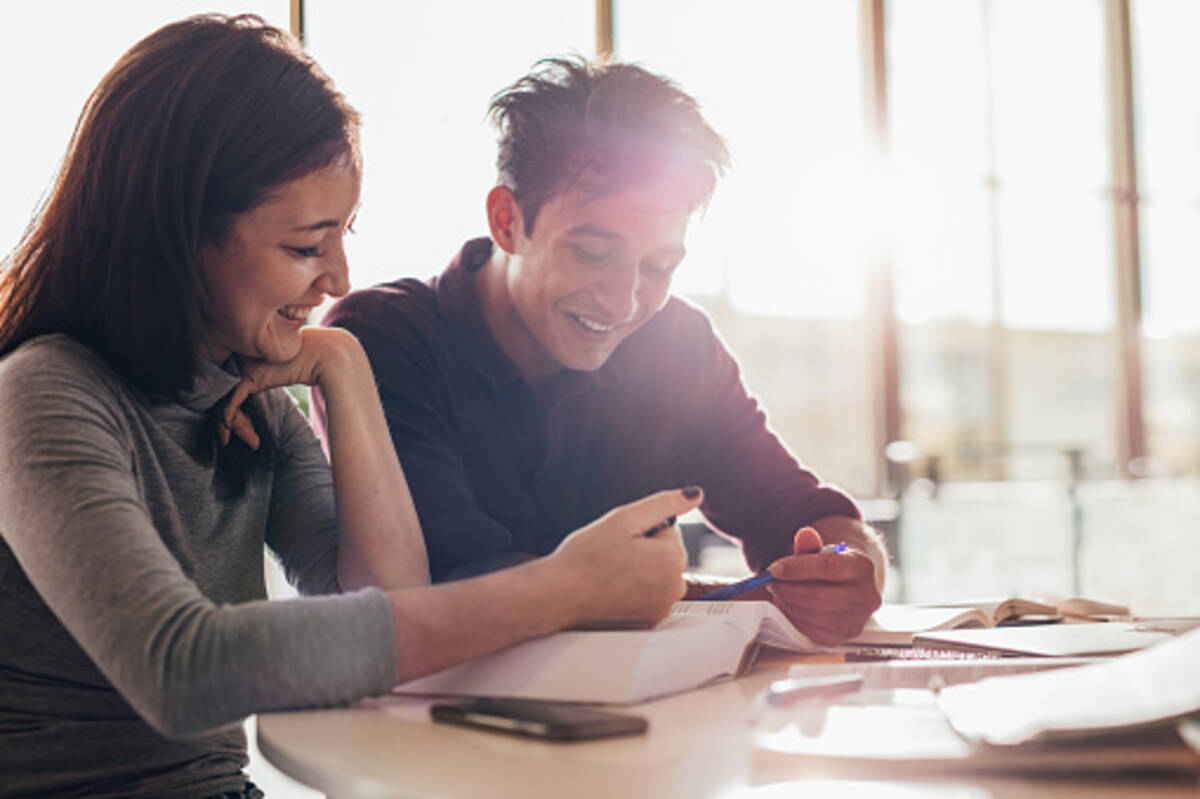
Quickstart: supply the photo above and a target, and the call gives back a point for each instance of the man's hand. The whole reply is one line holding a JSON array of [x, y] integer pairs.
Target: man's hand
[[828, 595]]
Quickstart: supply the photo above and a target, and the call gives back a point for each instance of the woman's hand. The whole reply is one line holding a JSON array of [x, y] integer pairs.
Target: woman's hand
[[379, 539], [322, 350], [607, 573], [621, 575]]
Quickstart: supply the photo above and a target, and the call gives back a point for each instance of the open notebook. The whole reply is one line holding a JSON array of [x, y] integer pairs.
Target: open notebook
[[700, 642]]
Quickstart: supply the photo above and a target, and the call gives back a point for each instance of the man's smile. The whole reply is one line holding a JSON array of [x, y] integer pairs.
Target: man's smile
[[592, 325]]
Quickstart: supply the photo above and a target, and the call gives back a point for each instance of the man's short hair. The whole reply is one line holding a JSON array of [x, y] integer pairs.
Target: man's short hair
[[602, 127]]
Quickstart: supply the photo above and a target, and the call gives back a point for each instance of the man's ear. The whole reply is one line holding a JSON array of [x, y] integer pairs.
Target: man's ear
[[505, 221]]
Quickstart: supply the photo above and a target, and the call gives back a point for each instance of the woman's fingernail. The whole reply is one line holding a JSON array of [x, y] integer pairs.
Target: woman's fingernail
[[691, 492]]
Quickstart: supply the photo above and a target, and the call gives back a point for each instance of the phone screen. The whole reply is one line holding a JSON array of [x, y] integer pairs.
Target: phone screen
[[556, 721]]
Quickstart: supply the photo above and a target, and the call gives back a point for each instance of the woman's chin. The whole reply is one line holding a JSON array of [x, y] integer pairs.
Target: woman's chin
[[275, 351]]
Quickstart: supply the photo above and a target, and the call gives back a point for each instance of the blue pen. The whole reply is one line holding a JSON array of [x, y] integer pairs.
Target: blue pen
[[750, 583]]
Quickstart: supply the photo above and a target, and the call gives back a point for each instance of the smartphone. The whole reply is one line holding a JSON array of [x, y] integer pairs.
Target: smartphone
[[553, 721]]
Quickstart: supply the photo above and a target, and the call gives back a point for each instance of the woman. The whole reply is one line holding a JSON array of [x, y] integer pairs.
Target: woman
[[157, 302]]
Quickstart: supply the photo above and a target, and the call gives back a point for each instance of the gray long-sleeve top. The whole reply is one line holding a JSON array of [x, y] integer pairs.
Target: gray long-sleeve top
[[134, 629]]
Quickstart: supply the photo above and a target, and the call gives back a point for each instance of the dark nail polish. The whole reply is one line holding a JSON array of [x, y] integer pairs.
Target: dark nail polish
[[691, 492]]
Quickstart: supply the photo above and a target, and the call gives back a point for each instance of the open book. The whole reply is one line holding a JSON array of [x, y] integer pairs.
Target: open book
[[699, 643], [896, 625], [1016, 610]]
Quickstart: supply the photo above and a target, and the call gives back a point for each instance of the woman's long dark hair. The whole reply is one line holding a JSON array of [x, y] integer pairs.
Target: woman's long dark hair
[[194, 125]]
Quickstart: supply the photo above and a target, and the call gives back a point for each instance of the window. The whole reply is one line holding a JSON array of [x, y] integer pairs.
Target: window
[[54, 54], [428, 150], [998, 210], [778, 257], [1166, 62], [1005, 275]]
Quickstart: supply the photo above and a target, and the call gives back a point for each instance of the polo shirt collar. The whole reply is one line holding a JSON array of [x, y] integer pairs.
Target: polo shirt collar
[[460, 307]]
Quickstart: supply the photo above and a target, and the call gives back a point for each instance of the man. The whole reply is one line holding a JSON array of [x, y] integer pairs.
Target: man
[[547, 376]]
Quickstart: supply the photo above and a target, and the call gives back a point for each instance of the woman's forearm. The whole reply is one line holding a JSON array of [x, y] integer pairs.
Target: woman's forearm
[[608, 572], [448, 623], [380, 541]]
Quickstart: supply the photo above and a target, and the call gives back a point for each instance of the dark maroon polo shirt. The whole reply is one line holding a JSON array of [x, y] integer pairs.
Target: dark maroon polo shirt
[[499, 476]]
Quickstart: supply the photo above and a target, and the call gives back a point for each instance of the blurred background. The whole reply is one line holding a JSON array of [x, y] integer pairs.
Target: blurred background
[[957, 253]]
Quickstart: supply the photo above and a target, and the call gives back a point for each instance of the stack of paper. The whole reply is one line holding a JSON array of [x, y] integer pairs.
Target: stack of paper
[[1112, 715], [1153, 687]]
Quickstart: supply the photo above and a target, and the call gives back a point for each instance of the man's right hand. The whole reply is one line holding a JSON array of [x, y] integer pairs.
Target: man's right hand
[[620, 576]]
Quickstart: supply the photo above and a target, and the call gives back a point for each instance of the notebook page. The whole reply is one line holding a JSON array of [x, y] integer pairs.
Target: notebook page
[[775, 630], [1051, 640], [761, 620], [714, 608], [615, 666], [745, 616], [1084, 608], [998, 610], [897, 624]]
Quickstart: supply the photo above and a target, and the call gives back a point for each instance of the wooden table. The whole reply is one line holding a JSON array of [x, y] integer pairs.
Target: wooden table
[[699, 745]]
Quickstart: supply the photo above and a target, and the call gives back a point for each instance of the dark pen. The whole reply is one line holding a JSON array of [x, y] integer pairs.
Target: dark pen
[[660, 526]]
